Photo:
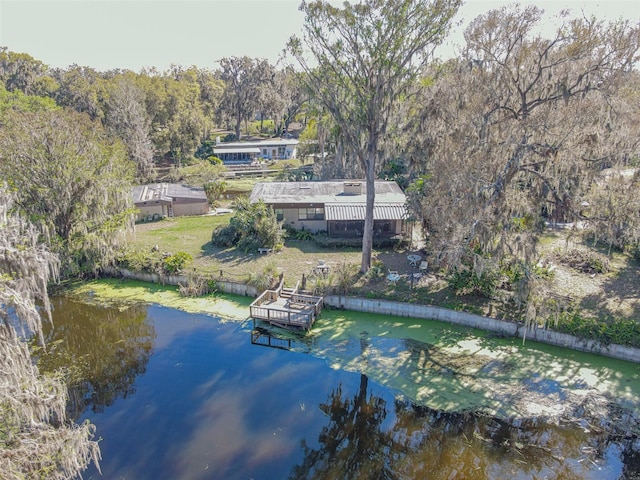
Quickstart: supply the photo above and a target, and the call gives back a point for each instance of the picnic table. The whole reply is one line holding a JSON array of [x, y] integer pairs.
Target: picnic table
[[322, 268]]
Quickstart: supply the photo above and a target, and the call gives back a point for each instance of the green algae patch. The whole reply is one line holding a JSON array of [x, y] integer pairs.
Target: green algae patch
[[125, 293], [454, 368], [435, 364]]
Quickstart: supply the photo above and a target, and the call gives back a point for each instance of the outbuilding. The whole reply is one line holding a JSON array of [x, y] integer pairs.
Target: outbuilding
[[160, 200]]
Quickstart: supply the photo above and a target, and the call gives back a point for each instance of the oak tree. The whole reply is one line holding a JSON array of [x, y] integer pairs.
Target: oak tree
[[37, 440], [514, 132], [73, 181]]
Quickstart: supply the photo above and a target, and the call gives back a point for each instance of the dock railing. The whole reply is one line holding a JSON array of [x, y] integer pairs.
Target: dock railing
[[298, 310]]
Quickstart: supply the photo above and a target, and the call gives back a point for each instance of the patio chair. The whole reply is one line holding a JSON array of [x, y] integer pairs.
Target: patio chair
[[393, 276], [424, 265]]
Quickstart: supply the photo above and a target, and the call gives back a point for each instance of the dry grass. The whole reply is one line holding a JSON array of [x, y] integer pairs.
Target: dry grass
[[614, 293]]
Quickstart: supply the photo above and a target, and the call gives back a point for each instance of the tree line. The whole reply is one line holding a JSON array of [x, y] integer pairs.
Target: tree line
[[157, 114]]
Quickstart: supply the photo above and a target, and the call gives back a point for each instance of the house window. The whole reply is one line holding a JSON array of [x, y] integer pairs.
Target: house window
[[382, 227], [279, 214], [311, 213]]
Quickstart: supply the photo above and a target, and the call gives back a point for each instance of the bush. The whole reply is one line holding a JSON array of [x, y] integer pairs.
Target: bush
[[197, 286], [634, 250], [225, 236], [175, 263], [464, 281], [585, 261], [377, 270], [344, 276], [302, 235], [624, 332], [254, 225], [214, 190], [265, 279], [151, 261], [140, 260]]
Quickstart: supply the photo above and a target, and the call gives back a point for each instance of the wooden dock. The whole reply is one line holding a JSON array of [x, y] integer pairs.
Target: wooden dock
[[262, 337], [286, 308]]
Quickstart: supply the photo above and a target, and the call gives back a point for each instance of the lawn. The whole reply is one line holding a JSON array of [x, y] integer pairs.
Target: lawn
[[193, 235], [615, 294]]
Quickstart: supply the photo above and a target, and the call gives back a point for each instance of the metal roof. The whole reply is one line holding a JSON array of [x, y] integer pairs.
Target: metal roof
[[259, 143], [236, 150], [357, 212], [324, 192], [167, 192]]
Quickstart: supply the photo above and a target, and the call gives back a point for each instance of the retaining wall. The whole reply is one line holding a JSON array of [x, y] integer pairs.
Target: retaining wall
[[412, 310], [503, 327], [225, 286]]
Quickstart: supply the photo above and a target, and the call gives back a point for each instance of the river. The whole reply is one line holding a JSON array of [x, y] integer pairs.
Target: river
[[181, 395]]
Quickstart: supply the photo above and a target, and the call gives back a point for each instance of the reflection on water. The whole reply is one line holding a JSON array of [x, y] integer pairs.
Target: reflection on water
[[103, 350], [176, 395], [418, 442]]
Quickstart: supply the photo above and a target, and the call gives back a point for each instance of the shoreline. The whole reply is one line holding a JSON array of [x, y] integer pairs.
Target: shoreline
[[419, 311]]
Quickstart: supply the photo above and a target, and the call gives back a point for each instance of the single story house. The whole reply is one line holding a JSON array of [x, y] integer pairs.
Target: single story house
[[169, 200], [246, 152], [337, 207]]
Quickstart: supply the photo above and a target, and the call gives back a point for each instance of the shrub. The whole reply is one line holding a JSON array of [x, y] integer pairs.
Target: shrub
[[619, 331], [175, 263], [301, 235], [140, 260], [265, 279], [151, 261], [197, 286], [377, 270], [464, 281], [345, 276], [225, 236], [214, 189], [319, 284], [253, 225]]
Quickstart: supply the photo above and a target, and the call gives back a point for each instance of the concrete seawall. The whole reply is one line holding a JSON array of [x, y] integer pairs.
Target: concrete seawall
[[225, 286], [503, 327], [413, 310]]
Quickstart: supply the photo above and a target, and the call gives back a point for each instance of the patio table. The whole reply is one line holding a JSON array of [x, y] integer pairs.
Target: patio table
[[414, 259]]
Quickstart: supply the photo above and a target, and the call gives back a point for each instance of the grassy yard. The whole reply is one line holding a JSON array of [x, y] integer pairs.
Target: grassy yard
[[614, 294], [193, 235]]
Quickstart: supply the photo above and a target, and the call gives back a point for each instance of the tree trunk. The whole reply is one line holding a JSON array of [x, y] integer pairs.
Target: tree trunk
[[321, 135], [238, 124], [367, 236]]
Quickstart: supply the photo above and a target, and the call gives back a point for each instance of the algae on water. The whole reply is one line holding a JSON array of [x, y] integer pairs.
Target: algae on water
[[434, 364]]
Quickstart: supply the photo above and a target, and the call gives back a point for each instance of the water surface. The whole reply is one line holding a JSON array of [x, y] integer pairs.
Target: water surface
[[189, 396]]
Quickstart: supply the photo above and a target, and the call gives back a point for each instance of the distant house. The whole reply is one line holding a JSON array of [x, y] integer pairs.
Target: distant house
[[337, 207], [169, 200], [247, 152]]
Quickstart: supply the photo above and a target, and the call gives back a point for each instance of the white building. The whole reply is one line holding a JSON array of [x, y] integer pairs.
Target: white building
[[247, 152]]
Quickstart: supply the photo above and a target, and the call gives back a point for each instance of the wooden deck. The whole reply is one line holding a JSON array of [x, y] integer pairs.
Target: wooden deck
[[286, 308], [262, 337]]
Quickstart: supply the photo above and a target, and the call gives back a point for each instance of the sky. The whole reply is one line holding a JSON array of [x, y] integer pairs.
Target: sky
[[136, 34]]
